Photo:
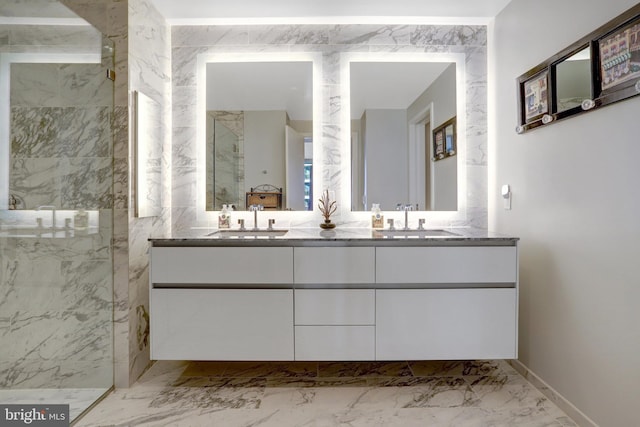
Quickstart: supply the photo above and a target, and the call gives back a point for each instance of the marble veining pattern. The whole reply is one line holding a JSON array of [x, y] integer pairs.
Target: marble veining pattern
[[145, 58], [439, 393]]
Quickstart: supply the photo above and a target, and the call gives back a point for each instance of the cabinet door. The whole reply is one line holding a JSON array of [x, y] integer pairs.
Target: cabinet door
[[221, 324], [441, 324], [202, 265], [455, 264], [334, 265]]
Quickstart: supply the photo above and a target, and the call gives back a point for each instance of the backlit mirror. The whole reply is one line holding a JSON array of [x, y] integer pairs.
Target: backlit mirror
[[573, 81], [395, 106], [259, 135]]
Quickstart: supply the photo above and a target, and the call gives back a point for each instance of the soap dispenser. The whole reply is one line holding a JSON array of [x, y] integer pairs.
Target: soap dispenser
[[224, 218], [377, 219]]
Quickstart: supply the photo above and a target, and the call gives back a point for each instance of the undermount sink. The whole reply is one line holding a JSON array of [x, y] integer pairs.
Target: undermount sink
[[427, 233], [248, 233]]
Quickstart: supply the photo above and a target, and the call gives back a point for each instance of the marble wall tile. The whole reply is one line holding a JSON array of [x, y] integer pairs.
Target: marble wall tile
[[60, 132], [85, 84], [120, 131], [4, 35], [424, 35], [37, 35], [34, 181], [208, 35], [117, 14], [87, 184], [149, 66], [370, 34], [288, 34], [94, 12], [184, 151], [184, 187], [121, 183], [35, 85], [26, 374]]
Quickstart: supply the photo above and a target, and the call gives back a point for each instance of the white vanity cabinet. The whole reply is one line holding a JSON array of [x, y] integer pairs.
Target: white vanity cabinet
[[211, 303], [369, 300]]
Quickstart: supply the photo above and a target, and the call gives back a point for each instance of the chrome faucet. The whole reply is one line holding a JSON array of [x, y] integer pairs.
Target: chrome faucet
[[408, 207], [53, 214], [255, 209]]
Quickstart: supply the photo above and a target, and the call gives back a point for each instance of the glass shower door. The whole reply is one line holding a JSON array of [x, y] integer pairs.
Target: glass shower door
[[56, 284]]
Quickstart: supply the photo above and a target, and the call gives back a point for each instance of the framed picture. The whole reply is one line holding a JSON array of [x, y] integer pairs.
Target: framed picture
[[444, 140], [619, 58], [535, 96], [450, 137], [600, 69]]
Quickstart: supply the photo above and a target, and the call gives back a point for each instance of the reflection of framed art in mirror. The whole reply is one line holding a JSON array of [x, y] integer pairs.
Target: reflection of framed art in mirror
[[444, 140]]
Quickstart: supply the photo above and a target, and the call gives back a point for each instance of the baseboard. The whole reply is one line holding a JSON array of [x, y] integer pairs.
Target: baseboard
[[559, 400]]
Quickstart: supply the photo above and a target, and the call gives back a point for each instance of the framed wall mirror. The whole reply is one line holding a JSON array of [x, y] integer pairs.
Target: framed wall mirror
[[259, 137], [571, 77], [395, 103]]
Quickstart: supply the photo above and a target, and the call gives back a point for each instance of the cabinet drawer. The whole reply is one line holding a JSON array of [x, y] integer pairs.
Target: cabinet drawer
[[255, 265], [441, 324], [331, 265], [335, 343], [334, 306], [488, 264], [221, 324]]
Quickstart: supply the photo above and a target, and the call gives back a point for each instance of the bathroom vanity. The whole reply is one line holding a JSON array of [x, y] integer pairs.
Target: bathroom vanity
[[346, 294]]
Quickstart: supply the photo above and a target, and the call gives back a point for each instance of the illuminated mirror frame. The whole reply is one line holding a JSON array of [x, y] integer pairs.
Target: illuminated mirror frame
[[461, 108], [202, 60]]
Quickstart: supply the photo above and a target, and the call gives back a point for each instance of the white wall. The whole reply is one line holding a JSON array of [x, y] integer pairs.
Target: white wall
[[385, 151], [264, 148], [576, 205]]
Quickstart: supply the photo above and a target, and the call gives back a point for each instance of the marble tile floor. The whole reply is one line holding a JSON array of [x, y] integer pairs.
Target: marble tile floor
[[78, 399], [367, 394]]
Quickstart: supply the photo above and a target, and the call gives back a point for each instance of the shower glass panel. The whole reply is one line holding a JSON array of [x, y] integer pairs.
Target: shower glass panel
[[56, 228]]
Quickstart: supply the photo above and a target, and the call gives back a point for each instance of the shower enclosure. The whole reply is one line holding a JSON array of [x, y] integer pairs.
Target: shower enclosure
[[56, 207]]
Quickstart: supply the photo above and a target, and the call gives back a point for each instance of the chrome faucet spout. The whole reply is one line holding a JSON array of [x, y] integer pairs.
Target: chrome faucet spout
[[53, 213], [255, 209], [407, 208]]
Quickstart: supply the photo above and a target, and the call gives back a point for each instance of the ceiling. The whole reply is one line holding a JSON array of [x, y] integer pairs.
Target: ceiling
[[184, 12]]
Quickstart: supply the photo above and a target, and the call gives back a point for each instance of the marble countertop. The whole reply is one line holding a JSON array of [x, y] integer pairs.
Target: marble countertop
[[463, 236]]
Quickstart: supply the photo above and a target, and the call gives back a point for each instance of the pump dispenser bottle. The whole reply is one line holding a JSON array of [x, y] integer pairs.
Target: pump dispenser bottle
[[224, 219], [377, 219]]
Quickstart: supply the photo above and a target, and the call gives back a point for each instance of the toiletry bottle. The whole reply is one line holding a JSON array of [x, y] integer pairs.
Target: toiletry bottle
[[377, 219], [224, 218], [81, 220]]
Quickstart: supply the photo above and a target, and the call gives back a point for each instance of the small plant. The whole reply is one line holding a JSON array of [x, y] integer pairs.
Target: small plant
[[326, 206]]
